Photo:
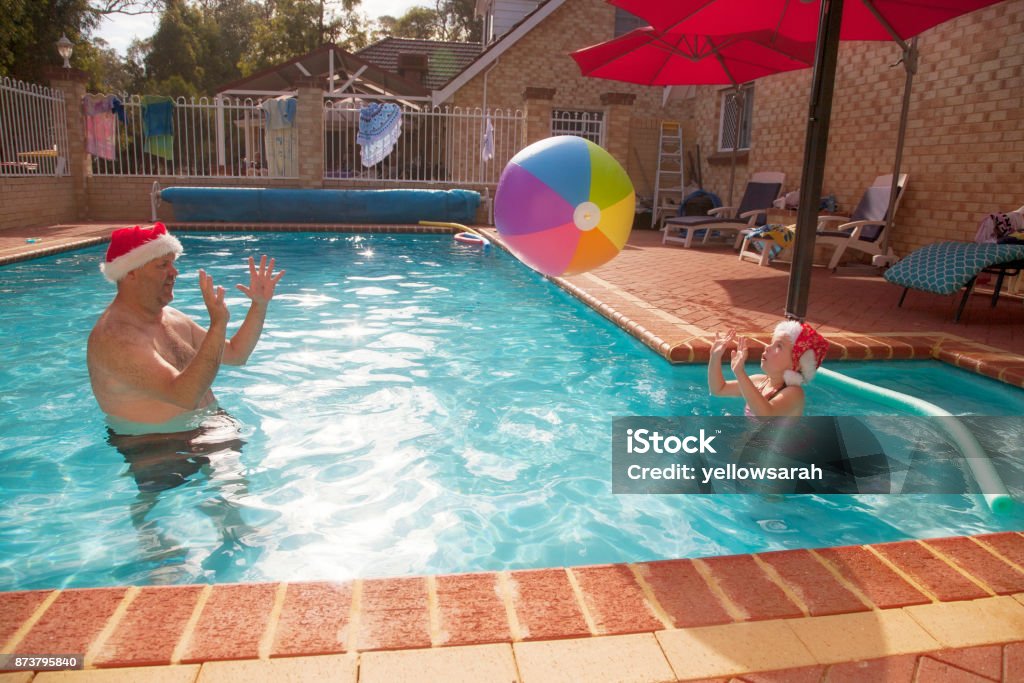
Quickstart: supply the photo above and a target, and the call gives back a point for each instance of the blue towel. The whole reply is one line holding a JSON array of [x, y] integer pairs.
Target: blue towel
[[157, 116]]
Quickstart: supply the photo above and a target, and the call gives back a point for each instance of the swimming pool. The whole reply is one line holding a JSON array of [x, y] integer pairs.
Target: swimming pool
[[414, 406]]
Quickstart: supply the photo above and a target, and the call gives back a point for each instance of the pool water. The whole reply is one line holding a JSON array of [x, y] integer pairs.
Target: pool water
[[414, 406]]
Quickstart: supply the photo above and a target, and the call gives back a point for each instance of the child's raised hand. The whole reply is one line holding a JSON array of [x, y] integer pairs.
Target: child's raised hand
[[738, 357], [721, 343]]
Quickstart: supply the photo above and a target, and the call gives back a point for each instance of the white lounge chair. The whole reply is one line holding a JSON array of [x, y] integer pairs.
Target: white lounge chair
[[864, 229]]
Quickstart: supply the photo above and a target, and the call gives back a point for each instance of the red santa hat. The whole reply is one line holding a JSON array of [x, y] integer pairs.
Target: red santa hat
[[132, 248], [809, 349]]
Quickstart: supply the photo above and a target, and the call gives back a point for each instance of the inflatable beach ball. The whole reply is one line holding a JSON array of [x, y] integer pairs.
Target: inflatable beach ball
[[564, 206]]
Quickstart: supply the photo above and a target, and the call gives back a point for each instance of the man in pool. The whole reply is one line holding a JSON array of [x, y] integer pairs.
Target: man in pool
[[150, 363]]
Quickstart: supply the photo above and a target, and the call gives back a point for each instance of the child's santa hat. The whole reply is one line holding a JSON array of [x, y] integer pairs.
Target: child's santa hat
[[809, 349], [132, 248]]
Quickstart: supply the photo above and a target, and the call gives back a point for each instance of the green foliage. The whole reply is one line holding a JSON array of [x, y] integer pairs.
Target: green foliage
[[29, 30], [200, 45]]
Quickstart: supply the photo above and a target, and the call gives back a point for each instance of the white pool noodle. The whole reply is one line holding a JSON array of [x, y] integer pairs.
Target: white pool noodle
[[994, 491]]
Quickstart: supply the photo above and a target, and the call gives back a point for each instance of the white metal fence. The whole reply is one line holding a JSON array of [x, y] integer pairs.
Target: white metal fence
[[33, 130], [440, 145], [585, 124], [220, 137]]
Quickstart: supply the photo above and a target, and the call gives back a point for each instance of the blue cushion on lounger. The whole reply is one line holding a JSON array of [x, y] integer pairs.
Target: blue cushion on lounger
[[945, 267]]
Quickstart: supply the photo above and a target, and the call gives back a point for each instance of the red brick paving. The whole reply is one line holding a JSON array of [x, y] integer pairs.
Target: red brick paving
[[872, 577], [943, 581], [750, 589], [683, 594], [15, 608], [984, 661], [394, 614], [992, 571], [710, 287], [73, 621], [472, 610], [813, 584], [151, 627], [232, 623], [546, 605], [615, 602], [1009, 545], [313, 619]]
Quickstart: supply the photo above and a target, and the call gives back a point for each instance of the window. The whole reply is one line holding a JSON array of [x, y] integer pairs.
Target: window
[[626, 22], [585, 124], [730, 112]]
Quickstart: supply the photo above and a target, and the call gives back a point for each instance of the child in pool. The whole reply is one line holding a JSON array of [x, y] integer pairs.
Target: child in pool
[[795, 354]]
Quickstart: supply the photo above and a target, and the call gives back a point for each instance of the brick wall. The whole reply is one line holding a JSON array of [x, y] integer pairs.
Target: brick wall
[[33, 202], [965, 139], [964, 149], [541, 60]]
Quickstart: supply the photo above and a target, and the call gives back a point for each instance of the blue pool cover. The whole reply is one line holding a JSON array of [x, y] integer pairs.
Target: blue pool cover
[[271, 205]]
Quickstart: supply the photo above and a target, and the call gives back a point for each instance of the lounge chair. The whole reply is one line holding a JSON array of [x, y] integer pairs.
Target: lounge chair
[[947, 267], [861, 231], [762, 189]]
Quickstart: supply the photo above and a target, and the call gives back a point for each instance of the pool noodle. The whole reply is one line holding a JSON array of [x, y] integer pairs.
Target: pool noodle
[[995, 493]]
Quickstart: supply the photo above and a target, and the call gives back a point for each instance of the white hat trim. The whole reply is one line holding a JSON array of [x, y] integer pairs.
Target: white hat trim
[[808, 368], [140, 256]]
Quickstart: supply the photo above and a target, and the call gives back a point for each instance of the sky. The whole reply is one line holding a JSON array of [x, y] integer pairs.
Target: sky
[[120, 30]]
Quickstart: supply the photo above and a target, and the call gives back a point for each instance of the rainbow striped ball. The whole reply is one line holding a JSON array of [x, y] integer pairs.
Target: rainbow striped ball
[[564, 206]]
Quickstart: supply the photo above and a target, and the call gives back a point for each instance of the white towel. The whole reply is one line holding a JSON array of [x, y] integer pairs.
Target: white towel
[[487, 145]]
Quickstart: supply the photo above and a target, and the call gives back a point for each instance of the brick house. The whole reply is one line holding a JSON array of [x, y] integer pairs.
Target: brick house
[[965, 138]]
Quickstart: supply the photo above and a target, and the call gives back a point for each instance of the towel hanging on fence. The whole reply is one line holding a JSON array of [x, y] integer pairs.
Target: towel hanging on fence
[[379, 128], [158, 125], [281, 139], [100, 126], [487, 145]]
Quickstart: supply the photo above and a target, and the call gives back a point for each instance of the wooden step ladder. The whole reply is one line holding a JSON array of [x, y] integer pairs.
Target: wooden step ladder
[[669, 180]]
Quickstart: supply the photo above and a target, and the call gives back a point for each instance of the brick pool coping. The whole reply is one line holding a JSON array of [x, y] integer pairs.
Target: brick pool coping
[[911, 610], [900, 608]]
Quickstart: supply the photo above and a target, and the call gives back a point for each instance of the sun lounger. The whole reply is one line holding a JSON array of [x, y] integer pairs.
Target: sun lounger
[[946, 267]]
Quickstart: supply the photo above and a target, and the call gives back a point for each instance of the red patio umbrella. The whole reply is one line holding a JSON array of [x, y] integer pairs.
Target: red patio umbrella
[[798, 19], [828, 21], [649, 57]]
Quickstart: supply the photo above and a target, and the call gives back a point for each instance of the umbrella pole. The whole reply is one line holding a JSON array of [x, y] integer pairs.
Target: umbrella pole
[[815, 147], [910, 67]]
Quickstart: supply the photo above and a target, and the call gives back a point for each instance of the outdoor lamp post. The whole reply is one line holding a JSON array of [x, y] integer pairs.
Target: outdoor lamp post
[[64, 48]]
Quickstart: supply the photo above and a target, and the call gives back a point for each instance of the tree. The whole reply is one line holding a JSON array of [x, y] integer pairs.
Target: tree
[[108, 71], [29, 30], [176, 47], [451, 20], [456, 21]]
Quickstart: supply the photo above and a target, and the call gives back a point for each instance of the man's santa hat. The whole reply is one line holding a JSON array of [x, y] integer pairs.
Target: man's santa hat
[[132, 248], [809, 349]]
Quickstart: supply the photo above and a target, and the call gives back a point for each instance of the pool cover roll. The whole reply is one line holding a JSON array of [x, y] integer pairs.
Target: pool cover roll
[[266, 205]]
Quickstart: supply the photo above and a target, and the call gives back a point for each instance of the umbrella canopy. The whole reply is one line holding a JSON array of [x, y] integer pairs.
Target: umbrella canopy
[[828, 21], [649, 57], [798, 19]]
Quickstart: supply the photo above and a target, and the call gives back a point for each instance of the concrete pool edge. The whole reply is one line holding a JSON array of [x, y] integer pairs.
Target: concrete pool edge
[[952, 601]]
